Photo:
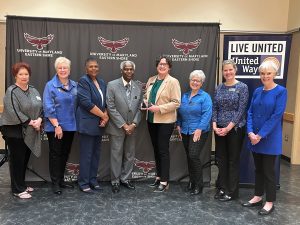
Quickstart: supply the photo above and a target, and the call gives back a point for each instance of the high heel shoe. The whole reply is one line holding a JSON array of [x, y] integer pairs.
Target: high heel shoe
[[155, 184], [162, 188], [190, 186], [196, 190]]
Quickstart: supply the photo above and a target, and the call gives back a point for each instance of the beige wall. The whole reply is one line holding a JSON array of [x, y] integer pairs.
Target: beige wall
[[239, 15], [293, 15]]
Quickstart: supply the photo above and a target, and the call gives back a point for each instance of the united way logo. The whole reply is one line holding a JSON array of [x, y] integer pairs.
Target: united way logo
[[113, 46], [144, 166], [186, 47], [39, 42]]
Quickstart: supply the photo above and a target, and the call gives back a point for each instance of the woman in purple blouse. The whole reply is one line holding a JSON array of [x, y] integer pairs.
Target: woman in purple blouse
[[229, 106]]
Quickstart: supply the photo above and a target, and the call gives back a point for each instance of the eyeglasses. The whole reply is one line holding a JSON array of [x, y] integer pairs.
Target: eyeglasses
[[163, 64], [62, 68], [196, 81]]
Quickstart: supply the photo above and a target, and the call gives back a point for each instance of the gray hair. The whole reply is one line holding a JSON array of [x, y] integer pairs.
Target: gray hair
[[229, 62], [268, 64], [122, 64], [60, 60], [198, 74]]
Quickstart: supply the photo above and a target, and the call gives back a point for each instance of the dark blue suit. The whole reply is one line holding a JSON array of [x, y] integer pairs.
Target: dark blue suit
[[90, 132]]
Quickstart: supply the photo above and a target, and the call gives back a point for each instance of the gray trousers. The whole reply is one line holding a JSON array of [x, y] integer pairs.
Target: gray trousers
[[122, 153]]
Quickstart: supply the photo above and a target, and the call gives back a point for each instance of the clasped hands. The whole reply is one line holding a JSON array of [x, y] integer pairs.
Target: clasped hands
[[254, 138], [129, 128], [221, 131], [104, 119], [36, 124]]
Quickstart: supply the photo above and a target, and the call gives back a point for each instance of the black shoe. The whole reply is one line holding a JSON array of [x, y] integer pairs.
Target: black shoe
[[190, 186], [248, 204], [128, 185], [66, 185], [219, 194], [264, 212], [161, 188], [225, 198], [155, 184], [196, 190], [96, 187], [115, 188], [56, 189]]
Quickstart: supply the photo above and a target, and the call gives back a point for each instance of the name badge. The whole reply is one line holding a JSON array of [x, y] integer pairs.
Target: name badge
[[38, 98], [231, 89]]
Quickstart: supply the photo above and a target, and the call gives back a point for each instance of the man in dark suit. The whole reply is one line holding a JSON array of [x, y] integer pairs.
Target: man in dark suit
[[124, 97]]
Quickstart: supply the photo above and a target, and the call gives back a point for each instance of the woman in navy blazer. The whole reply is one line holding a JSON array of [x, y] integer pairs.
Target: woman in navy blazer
[[264, 127], [91, 119]]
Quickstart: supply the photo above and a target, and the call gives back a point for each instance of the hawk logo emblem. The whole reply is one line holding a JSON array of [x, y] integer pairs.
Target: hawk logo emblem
[[145, 166], [186, 48], [39, 43], [72, 168], [113, 46]]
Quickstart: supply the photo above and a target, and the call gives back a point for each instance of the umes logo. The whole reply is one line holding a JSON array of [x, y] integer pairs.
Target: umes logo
[[145, 166], [113, 46], [39, 43], [186, 48]]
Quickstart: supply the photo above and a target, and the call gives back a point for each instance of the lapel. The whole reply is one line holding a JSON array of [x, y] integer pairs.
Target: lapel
[[162, 87], [134, 90], [123, 90], [95, 90]]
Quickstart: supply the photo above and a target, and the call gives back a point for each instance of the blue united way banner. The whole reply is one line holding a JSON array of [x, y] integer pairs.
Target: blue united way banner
[[248, 52], [39, 41]]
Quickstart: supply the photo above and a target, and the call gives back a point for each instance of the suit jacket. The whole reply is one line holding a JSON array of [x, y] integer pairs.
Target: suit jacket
[[168, 99], [121, 110], [88, 96], [265, 119]]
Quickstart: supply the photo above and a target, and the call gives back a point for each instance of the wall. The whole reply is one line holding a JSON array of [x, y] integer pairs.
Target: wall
[[293, 15], [233, 14]]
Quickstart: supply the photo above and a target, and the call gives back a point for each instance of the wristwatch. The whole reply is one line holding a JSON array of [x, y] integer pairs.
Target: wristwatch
[[57, 125]]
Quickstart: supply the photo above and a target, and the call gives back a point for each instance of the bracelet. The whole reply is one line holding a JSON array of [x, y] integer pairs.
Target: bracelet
[[56, 126]]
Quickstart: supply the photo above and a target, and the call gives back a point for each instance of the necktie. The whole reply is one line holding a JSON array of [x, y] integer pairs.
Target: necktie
[[128, 91]]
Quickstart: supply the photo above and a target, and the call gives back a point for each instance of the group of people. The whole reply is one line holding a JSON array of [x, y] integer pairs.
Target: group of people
[[89, 106]]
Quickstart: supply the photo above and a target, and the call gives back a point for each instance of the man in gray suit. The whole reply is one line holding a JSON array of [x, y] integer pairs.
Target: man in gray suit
[[123, 99]]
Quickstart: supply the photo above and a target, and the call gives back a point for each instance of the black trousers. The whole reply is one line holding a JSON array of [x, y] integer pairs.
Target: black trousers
[[265, 178], [193, 151], [59, 150], [228, 149], [160, 134], [18, 160]]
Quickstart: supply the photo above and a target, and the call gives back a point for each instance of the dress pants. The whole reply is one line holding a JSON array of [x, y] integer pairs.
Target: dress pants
[[265, 178], [122, 152], [59, 150], [228, 149], [160, 134], [89, 160], [19, 155], [193, 151]]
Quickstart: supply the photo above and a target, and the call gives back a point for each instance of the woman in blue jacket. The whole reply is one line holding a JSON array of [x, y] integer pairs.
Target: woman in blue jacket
[[91, 119], [264, 127], [193, 124]]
